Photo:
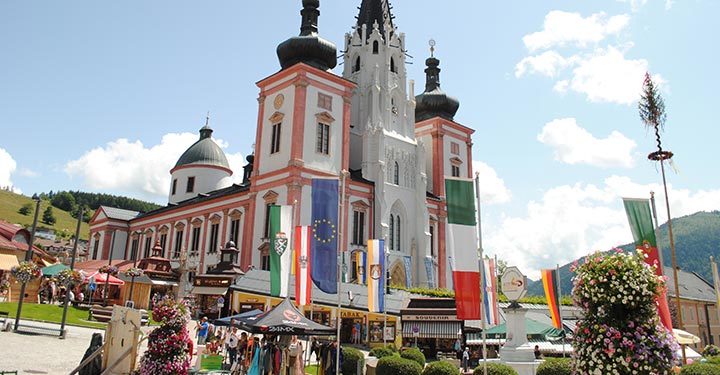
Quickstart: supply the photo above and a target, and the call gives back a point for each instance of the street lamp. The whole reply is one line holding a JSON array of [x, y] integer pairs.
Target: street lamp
[[72, 267], [28, 257]]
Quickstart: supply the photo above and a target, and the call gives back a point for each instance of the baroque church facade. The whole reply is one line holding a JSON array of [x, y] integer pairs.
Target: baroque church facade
[[390, 150]]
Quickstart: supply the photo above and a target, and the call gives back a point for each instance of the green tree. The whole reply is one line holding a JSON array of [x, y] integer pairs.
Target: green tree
[[64, 201], [651, 105], [26, 209], [48, 217]]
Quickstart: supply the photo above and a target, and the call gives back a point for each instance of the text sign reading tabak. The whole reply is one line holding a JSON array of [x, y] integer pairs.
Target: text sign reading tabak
[[513, 283]]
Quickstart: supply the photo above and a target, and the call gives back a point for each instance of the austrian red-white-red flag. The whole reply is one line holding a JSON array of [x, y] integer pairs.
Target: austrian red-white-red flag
[[302, 265]]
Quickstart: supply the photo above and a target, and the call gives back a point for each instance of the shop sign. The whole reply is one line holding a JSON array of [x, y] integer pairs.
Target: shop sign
[[514, 283], [430, 318], [352, 314], [200, 281]]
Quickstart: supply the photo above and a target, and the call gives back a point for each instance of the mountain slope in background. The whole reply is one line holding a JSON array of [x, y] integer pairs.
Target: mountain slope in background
[[696, 237]]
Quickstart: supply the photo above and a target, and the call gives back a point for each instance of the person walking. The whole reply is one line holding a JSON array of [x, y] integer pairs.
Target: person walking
[[296, 365], [202, 327], [466, 359], [232, 345]]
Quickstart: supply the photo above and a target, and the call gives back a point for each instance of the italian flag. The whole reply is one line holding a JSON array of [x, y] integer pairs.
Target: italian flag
[[280, 249], [643, 230], [462, 245], [302, 265]]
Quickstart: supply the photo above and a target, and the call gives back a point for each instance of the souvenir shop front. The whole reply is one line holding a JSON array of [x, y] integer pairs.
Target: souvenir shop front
[[209, 292], [432, 325]]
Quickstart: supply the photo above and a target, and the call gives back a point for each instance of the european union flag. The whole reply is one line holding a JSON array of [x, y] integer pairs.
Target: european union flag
[[324, 243]]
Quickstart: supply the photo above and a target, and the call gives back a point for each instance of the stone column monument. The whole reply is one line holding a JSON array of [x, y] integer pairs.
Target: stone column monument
[[516, 352]]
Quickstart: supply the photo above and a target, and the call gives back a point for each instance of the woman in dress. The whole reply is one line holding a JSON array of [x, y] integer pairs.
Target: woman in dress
[[254, 352]]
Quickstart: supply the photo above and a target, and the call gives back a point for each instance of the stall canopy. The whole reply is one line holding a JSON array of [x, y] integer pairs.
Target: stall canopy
[[7, 262], [284, 319], [222, 322], [100, 279], [54, 269]]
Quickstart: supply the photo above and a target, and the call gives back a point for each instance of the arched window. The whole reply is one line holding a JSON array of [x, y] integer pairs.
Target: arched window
[[376, 47], [393, 68], [356, 67], [396, 174], [397, 233], [391, 237]]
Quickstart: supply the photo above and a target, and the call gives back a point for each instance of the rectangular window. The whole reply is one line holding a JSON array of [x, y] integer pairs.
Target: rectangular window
[[266, 230], [213, 238], [455, 171], [178, 244], [148, 246], [275, 139], [134, 248], [163, 241], [432, 241], [358, 228], [325, 101], [95, 248], [195, 244], [190, 185], [265, 262], [174, 186], [235, 230], [322, 143], [454, 148]]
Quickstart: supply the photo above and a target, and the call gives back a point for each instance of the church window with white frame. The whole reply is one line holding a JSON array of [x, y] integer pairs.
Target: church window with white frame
[[322, 143], [275, 138]]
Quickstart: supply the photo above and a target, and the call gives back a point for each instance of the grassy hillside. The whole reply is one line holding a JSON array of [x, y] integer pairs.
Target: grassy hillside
[[696, 238], [10, 203]]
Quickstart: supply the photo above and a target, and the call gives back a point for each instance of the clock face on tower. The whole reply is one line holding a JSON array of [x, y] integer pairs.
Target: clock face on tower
[[279, 100]]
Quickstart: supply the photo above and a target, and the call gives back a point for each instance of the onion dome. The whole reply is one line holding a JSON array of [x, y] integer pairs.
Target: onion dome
[[434, 102], [308, 47], [204, 152]]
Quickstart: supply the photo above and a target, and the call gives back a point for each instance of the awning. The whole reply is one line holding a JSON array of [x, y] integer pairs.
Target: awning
[[209, 290], [100, 279], [431, 330], [8, 261], [165, 282]]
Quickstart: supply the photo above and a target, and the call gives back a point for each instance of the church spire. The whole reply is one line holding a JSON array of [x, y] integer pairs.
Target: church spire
[[308, 47], [372, 11], [433, 102]]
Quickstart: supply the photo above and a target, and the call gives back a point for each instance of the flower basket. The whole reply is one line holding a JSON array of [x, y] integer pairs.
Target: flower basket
[[4, 286], [134, 272], [26, 271], [69, 278], [109, 269]]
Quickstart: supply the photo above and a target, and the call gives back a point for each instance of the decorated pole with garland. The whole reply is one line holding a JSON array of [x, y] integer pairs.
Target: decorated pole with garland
[[28, 258], [169, 347], [72, 269]]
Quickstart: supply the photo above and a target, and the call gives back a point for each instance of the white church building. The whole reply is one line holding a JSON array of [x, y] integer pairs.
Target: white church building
[[390, 149]]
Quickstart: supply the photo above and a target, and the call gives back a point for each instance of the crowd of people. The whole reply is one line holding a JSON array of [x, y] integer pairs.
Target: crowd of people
[[248, 354]]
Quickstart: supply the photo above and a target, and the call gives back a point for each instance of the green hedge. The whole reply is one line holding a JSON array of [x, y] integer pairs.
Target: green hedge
[[441, 368], [352, 357], [380, 352], [395, 365], [555, 366], [700, 368], [494, 368], [414, 354]]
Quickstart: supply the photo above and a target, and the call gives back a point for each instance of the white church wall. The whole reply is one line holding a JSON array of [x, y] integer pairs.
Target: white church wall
[[207, 179], [278, 160]]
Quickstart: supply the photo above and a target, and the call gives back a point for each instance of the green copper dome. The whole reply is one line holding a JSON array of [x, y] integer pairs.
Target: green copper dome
[[204, 152]]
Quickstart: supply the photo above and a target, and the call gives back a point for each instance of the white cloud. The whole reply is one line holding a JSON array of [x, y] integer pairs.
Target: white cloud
[[635, 4], [492, 187], [607, 76], [7, 168], [130, 167], [564, 28], [573, 144], [549, 63], [573, 221]]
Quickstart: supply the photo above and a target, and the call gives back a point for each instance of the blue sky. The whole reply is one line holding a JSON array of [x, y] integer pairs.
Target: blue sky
[[105, 96]]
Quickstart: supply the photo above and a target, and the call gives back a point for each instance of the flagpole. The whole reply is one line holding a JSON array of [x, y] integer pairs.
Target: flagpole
[[559, 296], [482, 274], [385, 287], [293, 255], [341, 230]]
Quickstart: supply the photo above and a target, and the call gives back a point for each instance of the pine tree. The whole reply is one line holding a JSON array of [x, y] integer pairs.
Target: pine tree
[[48, 216], [651, 108]]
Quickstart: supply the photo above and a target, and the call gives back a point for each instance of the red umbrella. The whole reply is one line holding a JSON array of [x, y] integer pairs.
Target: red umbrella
[[100, 279]]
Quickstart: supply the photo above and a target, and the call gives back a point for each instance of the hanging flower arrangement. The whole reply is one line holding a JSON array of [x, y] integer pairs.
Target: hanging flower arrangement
[[134, 272], [168, 350], [26, 271], [109, 269], [621, 332], [69, 278]]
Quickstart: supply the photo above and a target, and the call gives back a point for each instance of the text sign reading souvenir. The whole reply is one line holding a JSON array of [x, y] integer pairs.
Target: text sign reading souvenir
[[514, 283]]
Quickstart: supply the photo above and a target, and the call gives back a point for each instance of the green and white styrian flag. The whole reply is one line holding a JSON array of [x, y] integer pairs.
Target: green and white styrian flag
[[280, 249]]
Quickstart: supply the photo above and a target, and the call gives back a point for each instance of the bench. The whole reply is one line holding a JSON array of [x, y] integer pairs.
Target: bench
[[104, 314]]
